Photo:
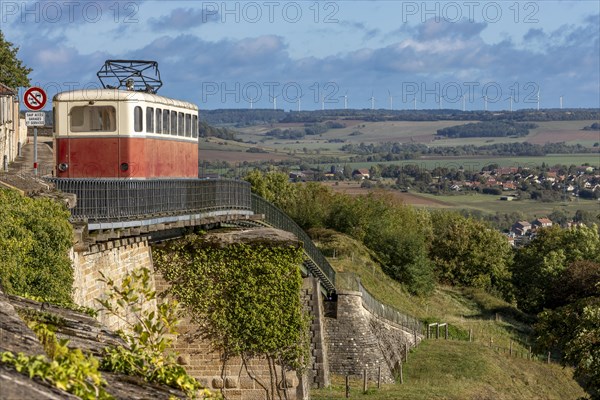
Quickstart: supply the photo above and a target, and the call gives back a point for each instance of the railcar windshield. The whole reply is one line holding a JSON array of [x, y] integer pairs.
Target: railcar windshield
[[93, 119]]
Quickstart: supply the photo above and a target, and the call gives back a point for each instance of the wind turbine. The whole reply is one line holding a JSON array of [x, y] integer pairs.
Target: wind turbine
[[372, 101], [391, 100], [274, 102], [485, 102], [252, 102], [346, 101], [561, 102], [538, 100], [322, 103], [511, 103], [299, 103], [440, 101]]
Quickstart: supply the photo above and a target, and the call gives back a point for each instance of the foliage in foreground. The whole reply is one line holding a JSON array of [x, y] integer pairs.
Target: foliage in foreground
[[244, 298], [147, 354], [35, 238], [67, 369]]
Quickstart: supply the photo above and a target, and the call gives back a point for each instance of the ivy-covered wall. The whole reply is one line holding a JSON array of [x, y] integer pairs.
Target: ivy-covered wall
[[245, 330]]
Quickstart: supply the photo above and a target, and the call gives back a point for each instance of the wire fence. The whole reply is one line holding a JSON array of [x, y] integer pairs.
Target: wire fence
[[512, 348]]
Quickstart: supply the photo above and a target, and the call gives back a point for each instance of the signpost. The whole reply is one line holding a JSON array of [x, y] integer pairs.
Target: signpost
[[35, 99], [35, 118]]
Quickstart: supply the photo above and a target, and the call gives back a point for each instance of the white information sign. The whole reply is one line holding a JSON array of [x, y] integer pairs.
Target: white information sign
[[37, 118]]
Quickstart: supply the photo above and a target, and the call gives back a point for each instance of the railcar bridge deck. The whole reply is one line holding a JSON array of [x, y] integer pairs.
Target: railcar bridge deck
[[108, 209]]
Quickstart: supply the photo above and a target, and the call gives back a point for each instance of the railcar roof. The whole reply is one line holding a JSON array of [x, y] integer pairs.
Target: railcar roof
[[119, 95]]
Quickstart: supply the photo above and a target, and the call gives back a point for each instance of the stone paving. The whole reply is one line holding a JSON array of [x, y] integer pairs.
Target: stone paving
[[20, 174]]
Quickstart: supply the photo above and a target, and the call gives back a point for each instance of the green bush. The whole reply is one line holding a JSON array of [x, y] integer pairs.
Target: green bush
[[35, 237]]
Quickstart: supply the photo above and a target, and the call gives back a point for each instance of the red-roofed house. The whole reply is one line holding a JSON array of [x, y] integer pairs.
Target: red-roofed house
[[542, 223]]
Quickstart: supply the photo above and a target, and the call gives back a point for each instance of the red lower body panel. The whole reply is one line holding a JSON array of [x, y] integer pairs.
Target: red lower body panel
[[116, 157]]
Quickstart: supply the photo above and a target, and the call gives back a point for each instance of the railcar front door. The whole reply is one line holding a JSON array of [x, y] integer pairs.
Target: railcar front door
[[93, 140]]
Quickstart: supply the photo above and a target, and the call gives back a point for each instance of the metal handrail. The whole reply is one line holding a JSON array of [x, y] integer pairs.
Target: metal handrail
[[388, 312], [278, 219], [109, 200], [100, 200]]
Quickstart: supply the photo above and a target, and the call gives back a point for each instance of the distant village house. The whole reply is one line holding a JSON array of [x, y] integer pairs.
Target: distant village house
[[361, 173]]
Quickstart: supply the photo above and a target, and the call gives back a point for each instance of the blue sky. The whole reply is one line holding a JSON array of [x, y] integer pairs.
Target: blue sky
[[309, 54]]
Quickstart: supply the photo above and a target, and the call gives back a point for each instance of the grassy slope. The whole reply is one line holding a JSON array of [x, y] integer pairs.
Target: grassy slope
[[440, 369]]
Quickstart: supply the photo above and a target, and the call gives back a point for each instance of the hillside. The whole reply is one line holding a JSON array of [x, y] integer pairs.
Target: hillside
[[451, 369]]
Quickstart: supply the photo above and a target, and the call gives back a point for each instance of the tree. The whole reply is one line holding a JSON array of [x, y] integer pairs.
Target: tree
[[311, 206], [539, 265], [12, 71], [273, 186], [574, 331], [468, 252]]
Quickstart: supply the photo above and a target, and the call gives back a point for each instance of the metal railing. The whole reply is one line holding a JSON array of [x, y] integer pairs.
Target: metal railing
[[111, 199], [388, 312], [318, 264]]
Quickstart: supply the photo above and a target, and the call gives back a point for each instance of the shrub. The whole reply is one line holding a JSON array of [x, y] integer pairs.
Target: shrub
[[35, 237]]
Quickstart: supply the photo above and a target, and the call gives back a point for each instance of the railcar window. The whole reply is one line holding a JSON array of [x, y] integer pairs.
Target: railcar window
[[188, 125], [194, 126], [166, 121], [93, 119], [158, 120], [180, 127], [138, 119], [150, 119], [174, 123]]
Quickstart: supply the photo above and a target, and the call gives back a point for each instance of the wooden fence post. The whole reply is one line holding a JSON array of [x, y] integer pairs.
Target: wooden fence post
[[365, 380], [470, 335], [379, 377], [437, 331], [405, 351], [510, 351], [347, 386], [401, 374], [446, 334], [548, 357]]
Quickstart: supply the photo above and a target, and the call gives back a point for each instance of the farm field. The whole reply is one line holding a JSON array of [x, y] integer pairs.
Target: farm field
[[490, 204], [475, 163], [329, 143], [423, 132], [530, 208]]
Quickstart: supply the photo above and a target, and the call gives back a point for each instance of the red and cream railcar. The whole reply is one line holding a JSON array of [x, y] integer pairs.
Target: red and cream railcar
[[112, 133]]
